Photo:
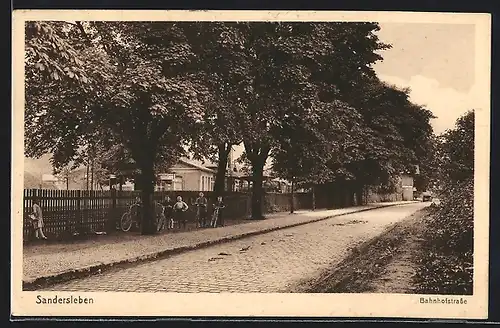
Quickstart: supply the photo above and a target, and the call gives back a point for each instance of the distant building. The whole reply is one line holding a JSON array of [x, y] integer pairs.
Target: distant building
[[407, 187], [169, 182], [187, 175], [193, 175]]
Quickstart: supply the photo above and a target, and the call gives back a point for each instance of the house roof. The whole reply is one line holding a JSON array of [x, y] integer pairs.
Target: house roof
[[194, 164], [209, 166]]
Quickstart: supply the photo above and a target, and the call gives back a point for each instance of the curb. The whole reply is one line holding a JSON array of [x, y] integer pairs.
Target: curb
[[41, 282]]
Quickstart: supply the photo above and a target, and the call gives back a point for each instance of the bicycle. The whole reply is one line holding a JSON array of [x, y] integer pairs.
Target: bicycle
[[130, 217], [133, 216], [215, 216]]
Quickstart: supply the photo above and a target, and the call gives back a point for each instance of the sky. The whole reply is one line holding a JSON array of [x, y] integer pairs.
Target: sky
[[436, 61]]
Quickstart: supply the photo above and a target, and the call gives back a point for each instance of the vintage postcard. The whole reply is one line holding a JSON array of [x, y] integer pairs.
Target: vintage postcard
[[250, 163]]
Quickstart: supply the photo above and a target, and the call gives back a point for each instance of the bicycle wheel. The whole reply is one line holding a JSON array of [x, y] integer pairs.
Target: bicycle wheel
[[215, 215], [126, 222], [136, 216]]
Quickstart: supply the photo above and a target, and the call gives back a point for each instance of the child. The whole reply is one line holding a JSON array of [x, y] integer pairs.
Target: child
[[37, 218], [179, 208], [201, 204], [168, 205], [218, 206]]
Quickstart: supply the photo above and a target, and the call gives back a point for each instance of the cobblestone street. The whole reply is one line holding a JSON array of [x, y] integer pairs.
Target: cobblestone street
[[41, 261], [271, 262]]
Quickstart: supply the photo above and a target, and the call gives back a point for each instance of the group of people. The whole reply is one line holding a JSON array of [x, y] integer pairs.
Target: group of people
[[175, 211]]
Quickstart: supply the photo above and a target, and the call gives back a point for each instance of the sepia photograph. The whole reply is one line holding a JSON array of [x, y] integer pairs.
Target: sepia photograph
[[250, 163]]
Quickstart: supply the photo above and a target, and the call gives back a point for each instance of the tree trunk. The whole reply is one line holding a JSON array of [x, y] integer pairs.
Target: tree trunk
[[359, 194], [333, 201], [340, 191], [220, 177], [147, 192], [257, 154], [348, 196], [313, 191], [292, 207], [257, 190]]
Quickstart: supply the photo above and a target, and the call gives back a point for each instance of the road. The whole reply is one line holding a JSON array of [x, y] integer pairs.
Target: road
[[271, 262]]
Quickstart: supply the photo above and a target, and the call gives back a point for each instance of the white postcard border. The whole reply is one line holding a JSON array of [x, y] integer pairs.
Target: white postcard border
[[262, 304]]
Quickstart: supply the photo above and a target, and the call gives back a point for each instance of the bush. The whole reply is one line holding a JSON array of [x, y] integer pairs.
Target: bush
[[447, 256]]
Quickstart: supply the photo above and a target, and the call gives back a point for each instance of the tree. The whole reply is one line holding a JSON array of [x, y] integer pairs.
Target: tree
[[296, 67], [62, 77], [218, 48], [141, 92], [458, 150], [50, 56], [400, 137], [429, 166], [314, 148], [334, 68], [67, 174]]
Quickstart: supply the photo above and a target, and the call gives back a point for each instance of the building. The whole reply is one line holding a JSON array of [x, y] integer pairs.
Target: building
[[407, 187], [187, 175], [195, 175], [169, 182]]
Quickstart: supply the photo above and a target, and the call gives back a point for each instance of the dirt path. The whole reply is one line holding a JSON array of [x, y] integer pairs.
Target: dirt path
[[385, 264], [398, 274]]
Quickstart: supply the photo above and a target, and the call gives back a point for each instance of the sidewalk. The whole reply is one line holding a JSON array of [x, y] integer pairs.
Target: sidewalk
[[54, 264]]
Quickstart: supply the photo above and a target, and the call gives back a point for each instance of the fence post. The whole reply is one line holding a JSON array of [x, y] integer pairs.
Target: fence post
[[113, 209], [113, 198]]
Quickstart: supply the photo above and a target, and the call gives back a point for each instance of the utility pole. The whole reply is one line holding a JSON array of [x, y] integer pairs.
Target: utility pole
[[230, 169], [87, 176], [92, 175]]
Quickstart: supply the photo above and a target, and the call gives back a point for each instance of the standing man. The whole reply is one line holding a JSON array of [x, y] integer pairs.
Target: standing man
[[201, 205]]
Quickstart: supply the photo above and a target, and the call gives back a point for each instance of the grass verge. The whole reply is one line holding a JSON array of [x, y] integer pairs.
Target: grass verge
[[361, 271], [445, 264]]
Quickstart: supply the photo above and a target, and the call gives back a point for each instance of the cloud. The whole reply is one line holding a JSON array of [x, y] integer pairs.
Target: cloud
[[446, 103]]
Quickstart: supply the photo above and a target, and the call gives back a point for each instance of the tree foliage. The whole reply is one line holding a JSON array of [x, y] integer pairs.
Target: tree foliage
[[372, 131], [458, 150], [137, 94], [447, 262]]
